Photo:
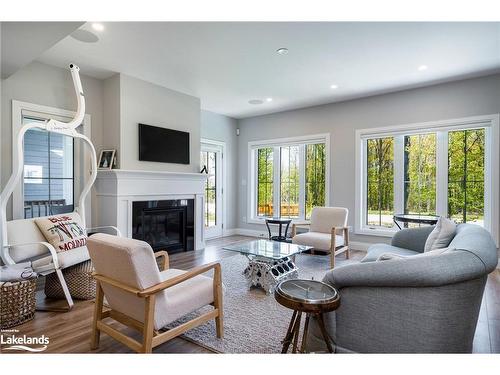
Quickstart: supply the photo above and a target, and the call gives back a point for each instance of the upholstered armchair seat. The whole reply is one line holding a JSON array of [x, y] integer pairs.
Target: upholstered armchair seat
[[319, 241]]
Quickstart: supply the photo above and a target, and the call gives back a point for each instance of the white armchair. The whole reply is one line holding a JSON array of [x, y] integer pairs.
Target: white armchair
[[142, 297], [328, 231]]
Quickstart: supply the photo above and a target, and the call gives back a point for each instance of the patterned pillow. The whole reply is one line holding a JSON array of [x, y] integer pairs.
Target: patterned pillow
[[64, 232]]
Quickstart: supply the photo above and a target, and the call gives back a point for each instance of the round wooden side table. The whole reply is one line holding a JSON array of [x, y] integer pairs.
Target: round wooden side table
[[314, 298]]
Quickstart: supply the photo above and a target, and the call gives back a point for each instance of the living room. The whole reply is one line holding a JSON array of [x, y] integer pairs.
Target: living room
[[250, 187]]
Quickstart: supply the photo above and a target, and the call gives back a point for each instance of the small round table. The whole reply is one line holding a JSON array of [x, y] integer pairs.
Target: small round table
[[280, 222], [416, 219], [312, 298]]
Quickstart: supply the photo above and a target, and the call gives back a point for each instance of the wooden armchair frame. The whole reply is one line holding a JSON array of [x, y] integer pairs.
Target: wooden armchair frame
[[334, 249], [151, 337]]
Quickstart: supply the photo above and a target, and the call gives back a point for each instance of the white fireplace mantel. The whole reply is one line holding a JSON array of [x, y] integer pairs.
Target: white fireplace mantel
[[117, 189]]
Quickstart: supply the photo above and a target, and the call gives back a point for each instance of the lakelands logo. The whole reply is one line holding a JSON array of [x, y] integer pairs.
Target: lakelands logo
[[14, 341]]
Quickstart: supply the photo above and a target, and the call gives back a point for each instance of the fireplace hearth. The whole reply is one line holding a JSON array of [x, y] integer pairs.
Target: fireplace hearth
[[164, 224]]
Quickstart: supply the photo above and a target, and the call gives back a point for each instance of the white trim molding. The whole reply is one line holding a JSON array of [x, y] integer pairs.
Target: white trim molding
[[492, 168], [276, 143]]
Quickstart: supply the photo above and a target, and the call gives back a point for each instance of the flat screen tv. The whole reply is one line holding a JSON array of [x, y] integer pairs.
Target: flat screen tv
[[163, 145]]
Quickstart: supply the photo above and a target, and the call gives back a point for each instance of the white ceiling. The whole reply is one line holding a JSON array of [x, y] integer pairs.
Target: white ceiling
[[228, 64], [22, 42]]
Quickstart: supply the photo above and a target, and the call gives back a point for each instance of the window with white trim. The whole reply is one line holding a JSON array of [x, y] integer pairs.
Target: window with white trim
[[444, 169], [289, 177]]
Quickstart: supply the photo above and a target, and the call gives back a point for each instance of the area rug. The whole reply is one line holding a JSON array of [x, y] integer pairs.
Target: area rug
[[253, 321]]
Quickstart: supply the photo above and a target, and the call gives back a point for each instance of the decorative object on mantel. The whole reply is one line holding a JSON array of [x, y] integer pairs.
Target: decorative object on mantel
[[106, 159], [79, 279]]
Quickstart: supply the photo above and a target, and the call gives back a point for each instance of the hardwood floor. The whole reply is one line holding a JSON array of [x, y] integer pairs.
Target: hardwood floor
[[70, 332]]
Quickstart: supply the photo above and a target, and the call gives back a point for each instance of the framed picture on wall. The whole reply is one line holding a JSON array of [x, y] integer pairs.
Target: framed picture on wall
[[106, 159]]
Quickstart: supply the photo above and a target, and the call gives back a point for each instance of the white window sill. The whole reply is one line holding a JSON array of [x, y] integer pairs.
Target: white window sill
[[376, 232]]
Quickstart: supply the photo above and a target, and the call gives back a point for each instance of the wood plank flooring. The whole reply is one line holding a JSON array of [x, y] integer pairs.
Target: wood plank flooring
[[70, 332]]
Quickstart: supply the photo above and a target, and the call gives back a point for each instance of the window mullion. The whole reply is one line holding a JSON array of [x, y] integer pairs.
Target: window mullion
[[399, 174], [302, 182], [276, 181], [442, 174]]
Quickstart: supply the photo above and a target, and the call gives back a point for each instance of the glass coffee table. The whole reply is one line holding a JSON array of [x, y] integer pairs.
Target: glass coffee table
[[269, 262]]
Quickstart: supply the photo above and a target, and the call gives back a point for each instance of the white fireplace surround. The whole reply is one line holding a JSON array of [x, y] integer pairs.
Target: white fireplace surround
[[117, 189]]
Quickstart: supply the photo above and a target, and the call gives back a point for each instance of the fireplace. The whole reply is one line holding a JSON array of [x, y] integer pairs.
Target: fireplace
[[164, 224]]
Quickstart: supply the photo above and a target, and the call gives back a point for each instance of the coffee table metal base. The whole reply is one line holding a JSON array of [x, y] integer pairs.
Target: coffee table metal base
[[266, 273]]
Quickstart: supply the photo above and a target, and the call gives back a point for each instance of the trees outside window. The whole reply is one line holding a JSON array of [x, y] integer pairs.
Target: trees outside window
[[380, 181], [466, 176], [290, 179]]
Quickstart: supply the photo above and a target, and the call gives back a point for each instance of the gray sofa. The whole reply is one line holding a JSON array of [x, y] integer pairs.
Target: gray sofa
[[420, 304]]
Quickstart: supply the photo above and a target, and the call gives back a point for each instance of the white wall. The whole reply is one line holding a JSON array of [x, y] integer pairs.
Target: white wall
[[146, 103], [51, 86], [222, 128], [111, 115], [471, 97]]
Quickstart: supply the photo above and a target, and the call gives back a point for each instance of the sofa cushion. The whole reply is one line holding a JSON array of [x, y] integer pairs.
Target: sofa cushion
[[392, 256], [317, 240], [64, 232], [441, 235], [65, 259], [376, 250]]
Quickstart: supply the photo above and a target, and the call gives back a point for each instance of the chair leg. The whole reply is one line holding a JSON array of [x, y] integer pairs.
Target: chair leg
[[346, 243], [147, 335], [332, 258], [96, 333], [219, 319], [65, 289]]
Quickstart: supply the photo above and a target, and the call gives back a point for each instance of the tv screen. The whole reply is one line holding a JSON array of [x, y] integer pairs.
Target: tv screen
[[163, 145]]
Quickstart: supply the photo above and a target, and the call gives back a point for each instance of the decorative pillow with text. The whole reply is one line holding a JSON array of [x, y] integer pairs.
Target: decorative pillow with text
[[64, 232]]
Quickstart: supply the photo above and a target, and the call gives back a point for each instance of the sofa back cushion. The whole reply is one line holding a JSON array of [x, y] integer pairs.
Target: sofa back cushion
[[324, 218]]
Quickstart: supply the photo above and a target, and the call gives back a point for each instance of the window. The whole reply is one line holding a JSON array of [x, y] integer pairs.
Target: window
[[315, 176], [265, 190], [289, 182], [209, 160], [420, 174], [380, 176], [444, 169], [48, 172], [466, 176], [290, 177]]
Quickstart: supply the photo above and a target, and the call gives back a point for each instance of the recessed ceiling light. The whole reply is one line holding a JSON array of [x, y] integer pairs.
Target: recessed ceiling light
[[98, 26], [269, 99], [334, 86], [255, 101], [423, 67], [282, 51]]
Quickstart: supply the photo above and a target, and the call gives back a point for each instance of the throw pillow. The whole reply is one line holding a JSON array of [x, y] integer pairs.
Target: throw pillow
[[391, 256], [441, 236], [64, 232]]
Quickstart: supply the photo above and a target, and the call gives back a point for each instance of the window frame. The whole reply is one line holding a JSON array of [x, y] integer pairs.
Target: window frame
[[276, 143], [81, 167], [491, 125]]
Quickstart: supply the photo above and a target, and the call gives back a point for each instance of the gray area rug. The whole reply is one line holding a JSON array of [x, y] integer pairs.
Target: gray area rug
[[253, 321]]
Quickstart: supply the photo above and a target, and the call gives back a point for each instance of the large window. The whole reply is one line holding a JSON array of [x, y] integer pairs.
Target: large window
[[48, 172], [440, 169], [380, 176], [466, 175], [290, 177]]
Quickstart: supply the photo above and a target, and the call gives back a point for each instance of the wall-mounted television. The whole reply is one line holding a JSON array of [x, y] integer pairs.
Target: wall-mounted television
[[163, 145]]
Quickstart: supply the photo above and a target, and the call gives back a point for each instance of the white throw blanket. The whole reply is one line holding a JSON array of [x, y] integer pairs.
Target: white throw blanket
[[17, 272]]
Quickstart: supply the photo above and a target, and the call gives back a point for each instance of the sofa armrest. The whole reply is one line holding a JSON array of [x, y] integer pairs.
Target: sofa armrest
[[412, 238], [415, 271], [118, 233]]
